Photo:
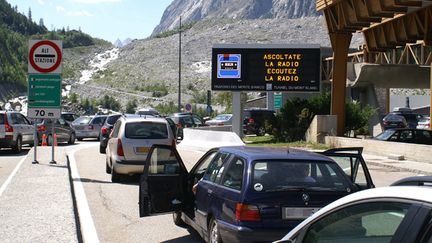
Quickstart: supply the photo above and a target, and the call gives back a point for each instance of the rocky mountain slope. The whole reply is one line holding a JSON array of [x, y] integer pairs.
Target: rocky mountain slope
[[195, 10], [147, 65]]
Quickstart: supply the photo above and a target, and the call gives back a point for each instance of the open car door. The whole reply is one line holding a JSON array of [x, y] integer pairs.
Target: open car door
[[162, 186], [352, 163]]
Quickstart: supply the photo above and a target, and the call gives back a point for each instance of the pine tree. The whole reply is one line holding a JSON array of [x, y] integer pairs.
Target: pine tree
[[41, 22], [30, 15]]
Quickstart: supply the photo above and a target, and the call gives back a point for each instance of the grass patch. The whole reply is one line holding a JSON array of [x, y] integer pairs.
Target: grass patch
[[269, 141]]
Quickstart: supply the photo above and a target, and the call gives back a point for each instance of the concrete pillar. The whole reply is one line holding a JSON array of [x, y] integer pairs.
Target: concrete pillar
[[340, 44], [270, 100], [237, 122]]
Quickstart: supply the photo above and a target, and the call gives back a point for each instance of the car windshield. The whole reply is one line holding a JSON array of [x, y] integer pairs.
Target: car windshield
[[83, 120], [112, 119], [385, 135], [68, 117], [146, 130], [394, 118], [288, 175]]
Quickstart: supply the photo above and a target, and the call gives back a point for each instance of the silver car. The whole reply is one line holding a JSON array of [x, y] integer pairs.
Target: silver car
[[88, 126], [15, 130], [131, 140]]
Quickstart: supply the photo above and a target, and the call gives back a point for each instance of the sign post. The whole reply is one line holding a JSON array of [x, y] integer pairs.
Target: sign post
[[44, 84]]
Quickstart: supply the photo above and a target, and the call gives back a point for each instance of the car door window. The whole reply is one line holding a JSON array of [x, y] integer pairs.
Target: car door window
[[197, 121], [406, 136], [14, 118], [347, 164], [233, 176], [215, 168], [367, 222], [199, 171], [116, 129], [26, 121], [163, 162]]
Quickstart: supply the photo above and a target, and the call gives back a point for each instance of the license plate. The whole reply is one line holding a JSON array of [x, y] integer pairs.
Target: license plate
[[297, 213], [142, 150]]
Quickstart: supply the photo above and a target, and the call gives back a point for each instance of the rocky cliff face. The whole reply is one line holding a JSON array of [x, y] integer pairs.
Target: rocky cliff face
[[195, 10]]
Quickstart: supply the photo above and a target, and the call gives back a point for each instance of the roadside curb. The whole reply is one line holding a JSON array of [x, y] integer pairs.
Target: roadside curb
[[399, 168], [86, 229]]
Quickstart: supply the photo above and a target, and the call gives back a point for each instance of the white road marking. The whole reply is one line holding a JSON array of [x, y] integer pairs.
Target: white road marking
[[88, 229], [9, 179]]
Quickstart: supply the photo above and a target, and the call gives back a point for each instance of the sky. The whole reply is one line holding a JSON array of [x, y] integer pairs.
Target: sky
[[106, 19]]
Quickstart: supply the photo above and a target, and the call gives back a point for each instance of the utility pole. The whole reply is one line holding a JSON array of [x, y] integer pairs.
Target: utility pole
[[179, 78]]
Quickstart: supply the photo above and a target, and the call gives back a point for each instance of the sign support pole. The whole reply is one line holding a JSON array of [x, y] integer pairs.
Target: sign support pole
[[35, 144], [52, 142], [237, 123]]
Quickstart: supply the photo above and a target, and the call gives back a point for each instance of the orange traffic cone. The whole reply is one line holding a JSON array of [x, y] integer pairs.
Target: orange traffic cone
[[55, 139], [44, 140]]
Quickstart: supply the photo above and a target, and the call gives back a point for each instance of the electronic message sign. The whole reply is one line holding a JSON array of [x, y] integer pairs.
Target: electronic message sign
[[266, 67]]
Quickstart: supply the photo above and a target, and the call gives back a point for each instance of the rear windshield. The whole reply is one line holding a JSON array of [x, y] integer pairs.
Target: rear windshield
[[2, 118], [286, 175], [146, 130], [68, 117], [112, 119], [83, 120], [410, 117]]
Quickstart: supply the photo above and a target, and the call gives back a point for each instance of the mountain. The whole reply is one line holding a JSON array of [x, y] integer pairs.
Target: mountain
[[147, 69], [195, 10], [118, 43]]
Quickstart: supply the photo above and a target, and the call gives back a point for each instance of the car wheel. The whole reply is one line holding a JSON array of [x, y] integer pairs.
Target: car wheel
[[72, 139], [213, 233], [178, 220], [102, 150], [115, 177], [107, 168], [260, 131], [17, 148]]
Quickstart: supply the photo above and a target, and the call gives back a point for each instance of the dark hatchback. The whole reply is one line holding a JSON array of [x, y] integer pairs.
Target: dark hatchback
[[186, 119], [248, 194], [106, 130], [406, 135], [258, 121]]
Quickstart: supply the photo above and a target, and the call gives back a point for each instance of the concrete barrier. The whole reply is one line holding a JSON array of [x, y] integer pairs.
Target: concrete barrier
[[226, 128], [204, 140], [415, 152]]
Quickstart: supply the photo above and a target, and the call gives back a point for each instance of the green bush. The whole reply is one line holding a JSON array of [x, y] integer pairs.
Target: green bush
[[295, 116]]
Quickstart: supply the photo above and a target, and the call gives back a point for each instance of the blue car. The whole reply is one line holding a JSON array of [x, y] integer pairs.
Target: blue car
[[248, 194]]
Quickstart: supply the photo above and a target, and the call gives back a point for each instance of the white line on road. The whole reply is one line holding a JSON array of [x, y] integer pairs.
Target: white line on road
[[88, 229], [9, 179]]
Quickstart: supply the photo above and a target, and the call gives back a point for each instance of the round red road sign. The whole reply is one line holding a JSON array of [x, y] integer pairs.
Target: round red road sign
[[57, 56]]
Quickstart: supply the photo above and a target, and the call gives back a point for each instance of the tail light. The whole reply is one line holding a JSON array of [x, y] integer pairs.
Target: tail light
[[120, 151], [251, 120], [41, 128], [246, 212], [8, 128], [178, 125], [385, 123], [104, 131], [221, 124], [90, 127]]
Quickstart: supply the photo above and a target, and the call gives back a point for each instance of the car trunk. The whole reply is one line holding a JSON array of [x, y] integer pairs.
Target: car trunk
[[288, 208], [137, 149]]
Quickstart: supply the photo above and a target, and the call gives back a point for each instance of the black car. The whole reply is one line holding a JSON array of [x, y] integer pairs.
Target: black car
[[106, 130], [62, 129], [69, 117], [406, 135], [393, 120], [258, 121], [186, 119]]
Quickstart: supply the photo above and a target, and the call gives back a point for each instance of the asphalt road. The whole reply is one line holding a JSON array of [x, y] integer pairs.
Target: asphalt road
[[8, 162]]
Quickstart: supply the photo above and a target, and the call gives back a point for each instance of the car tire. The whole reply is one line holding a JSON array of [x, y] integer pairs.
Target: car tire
[[72, 139], [115, 177], [260, 131], [213, 233], [102, 149], [17, 148], [107, 168], [178, 220]]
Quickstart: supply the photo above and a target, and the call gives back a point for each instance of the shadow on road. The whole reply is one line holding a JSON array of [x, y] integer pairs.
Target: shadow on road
[[10, 153], [192, 237]]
